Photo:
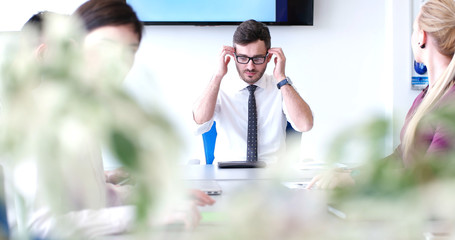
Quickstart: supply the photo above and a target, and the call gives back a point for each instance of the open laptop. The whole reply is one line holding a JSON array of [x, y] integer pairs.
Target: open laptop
[[210, 187]]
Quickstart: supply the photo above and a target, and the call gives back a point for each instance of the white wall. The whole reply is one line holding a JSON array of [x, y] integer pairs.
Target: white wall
[[13, 14], [353, 63], [404, 13]]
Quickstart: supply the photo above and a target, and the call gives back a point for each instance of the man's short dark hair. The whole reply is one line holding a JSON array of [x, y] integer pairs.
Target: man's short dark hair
[[100, 13], [35, 26], [251, 31], [37, 21]]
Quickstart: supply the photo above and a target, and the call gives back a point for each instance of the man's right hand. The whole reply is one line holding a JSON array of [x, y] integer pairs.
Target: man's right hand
[[225, 58], [204, 108]]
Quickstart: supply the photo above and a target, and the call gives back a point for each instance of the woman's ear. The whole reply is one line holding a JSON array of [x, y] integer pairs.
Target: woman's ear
[[422, 38]]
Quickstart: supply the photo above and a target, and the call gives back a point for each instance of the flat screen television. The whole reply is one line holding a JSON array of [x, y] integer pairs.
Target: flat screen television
[[223, 12]]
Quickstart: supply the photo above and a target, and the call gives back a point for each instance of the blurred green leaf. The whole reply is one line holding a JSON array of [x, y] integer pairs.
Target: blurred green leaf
[[124, 148]]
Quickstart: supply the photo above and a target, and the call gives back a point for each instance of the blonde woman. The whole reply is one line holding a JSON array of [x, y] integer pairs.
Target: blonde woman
[[433, 43]]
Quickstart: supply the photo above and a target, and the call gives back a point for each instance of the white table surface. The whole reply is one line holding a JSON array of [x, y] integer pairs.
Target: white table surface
[[212, 172], [262, 193]]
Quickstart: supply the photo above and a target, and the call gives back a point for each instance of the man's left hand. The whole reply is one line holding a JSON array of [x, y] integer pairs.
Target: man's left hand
[[280, 63]]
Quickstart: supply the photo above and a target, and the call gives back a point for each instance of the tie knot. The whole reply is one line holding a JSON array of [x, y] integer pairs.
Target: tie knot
[[252, 88]]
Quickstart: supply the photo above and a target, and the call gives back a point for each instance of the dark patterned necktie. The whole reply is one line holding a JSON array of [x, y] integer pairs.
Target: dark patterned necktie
[[252, 139]]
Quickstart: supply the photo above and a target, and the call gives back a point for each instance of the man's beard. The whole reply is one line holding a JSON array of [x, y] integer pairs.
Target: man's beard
[[248, 80]]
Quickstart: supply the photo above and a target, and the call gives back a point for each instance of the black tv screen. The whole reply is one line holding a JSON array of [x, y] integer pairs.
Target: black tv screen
[[223, 12]]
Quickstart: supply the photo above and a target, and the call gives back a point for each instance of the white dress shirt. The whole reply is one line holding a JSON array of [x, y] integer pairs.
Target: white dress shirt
[[231, 116], [89, 206]]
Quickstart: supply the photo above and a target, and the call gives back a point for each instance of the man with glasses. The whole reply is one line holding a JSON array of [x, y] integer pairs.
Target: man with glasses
[[227, 99]]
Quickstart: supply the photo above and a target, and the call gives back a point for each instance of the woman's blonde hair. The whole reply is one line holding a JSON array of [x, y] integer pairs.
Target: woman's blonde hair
[[437, 19]]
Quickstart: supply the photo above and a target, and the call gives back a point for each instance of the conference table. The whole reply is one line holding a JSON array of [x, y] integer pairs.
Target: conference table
[[272, 203], [257, 203], [212, 172], [235, 180]]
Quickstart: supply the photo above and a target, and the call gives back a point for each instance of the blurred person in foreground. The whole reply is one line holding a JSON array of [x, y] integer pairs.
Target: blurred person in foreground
[[70, 196], [34, 29], [109, 24], [425, 134]]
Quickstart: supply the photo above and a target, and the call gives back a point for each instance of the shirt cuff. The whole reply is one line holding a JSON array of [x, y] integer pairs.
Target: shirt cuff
[[202, 128]]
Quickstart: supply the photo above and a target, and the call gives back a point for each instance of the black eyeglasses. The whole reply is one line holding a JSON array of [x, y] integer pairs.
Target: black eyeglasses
[[245, 59]]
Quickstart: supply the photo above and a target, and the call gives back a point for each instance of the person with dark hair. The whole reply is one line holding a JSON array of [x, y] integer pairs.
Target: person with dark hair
[[33, 32], [83, 204], [226, 98], [109, 13], [35, 26], [114, 22]]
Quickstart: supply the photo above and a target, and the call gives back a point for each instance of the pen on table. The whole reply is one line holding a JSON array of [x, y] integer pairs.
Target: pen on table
[[336, 212]]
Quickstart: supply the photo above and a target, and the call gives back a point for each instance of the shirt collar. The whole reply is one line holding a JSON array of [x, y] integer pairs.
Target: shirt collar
[[261, 83]]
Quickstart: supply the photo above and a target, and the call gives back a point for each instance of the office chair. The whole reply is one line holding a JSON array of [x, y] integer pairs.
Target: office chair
[[291, 133], [4, 227], [209, 139]]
